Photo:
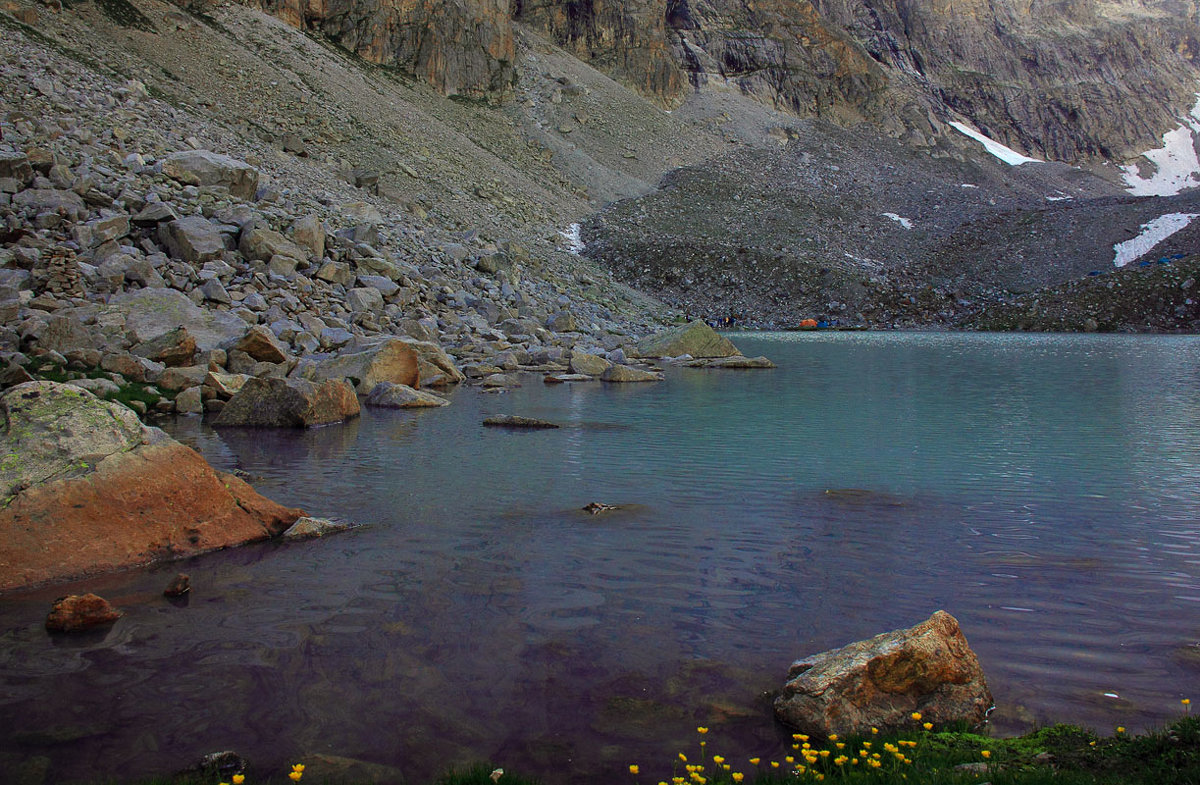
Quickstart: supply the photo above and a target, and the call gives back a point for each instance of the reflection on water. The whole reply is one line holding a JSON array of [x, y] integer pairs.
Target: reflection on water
[[1042, 489]]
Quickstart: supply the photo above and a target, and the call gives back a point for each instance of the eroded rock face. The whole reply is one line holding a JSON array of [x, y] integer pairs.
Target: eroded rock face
[[89, 489], [460, 47], [880, 682]]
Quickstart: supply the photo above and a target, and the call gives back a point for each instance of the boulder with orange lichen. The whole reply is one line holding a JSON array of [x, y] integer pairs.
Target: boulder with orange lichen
[[87, 489], [928, 669]]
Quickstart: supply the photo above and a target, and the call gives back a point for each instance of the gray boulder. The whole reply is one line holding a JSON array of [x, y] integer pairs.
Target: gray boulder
[[589, 364], [192, 239], [204, 167], [391, 360], [695, 338], [400, 396], [149, 313], [620, 374], [880, 682], [289, 403]]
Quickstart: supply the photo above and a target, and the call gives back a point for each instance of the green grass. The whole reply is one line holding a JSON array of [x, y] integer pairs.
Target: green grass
[[42, 369], [1057, 755]]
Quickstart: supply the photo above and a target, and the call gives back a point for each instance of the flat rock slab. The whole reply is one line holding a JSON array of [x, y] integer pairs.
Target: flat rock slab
[[515, 421], [621, 374], [151, 313], [75, 613], [737, 362], [400, 396]]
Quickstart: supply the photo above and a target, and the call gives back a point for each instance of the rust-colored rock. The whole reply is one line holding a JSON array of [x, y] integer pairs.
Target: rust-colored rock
[[180, 585], [880, 682], [89, 489], [80, 612]]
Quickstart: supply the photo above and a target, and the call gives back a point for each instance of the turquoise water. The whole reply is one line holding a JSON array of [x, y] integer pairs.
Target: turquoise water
[[1043, 489]]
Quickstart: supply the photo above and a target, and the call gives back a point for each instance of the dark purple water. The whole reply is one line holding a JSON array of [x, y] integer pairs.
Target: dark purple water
[[1042, 489]]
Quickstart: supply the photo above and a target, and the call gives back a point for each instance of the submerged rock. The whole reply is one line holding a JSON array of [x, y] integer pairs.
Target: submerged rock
[[515, 421], [880, 682], [80, 612], [738, 362], [307, 527], [180, 585]]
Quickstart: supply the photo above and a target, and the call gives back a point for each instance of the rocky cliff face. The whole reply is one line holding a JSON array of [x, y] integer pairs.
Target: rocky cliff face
[[1074, 81], [460, 47]]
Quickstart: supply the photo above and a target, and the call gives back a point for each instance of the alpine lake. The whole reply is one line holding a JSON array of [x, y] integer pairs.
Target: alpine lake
[[1044, 489]]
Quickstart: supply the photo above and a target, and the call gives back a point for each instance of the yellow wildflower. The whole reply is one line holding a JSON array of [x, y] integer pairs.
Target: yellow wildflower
[[916, 715], [1120, 729], [295, 776], [774, 764], [841, 745], [986, 753], [633, 768], [754, 761], [789, 759], [683, 757], [928, 726], [833, 737], [717, 759], [702, 730], [875, 764], [738, 776], [874, 730], [238, 779]]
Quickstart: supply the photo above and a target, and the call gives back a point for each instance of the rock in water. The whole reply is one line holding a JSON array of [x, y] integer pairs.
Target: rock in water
[[289, 403], [880, 682], [75, 612], [399, 396], [89, 489], [306, 528], [695, 338], [618, 374], [179, 586], [516, 421]]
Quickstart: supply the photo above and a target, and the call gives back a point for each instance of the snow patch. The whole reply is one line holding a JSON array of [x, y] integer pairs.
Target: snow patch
[[1005, 154], [907, 224], [573, 237], [1059, 198], [1152, 234], [1175, 164], [969, 185]]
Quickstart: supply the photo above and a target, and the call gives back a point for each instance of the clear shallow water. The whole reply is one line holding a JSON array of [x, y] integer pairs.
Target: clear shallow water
[[1042, 489]]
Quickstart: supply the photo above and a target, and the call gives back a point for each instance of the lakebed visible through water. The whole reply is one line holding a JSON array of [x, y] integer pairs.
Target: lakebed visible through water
[[1043, 489]]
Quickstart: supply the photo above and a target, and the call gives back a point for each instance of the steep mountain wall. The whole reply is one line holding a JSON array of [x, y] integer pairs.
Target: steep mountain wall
[[460, 47], [1070, 81]]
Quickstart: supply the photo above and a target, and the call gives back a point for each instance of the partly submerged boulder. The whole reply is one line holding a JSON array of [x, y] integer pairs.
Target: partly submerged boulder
[[289, 403], [87, 488], [623, 374], [75, 612], [400, 396], [695, 338], [880, 682], [437, 369]]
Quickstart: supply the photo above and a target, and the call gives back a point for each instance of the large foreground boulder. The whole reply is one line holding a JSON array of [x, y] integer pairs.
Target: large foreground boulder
[[204, 167], [87, 488], [695, 338], [880, 682], [392, 360], [289, 403]]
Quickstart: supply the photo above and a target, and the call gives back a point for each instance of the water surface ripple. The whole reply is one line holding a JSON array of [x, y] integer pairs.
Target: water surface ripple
[[1044, 489]]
